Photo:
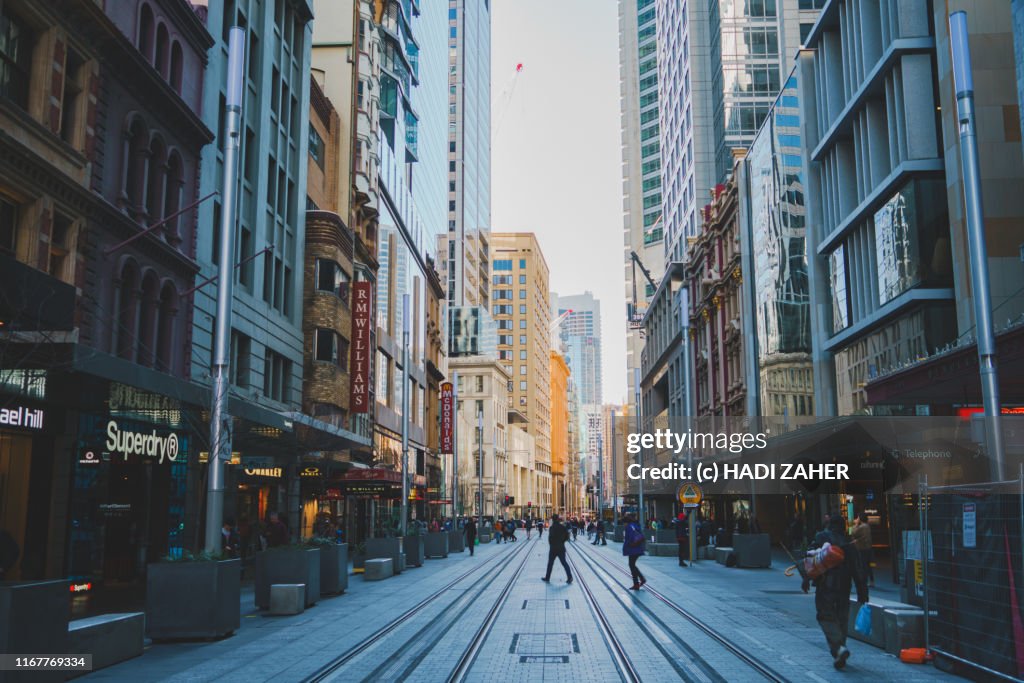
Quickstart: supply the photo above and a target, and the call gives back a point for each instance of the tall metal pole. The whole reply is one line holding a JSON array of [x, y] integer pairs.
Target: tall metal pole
[[455, 450], [600, 476], [494, 474], [640, 456], [615, 478], [405, 413], [480, 466], [974, 212], [684, 316], [220, 420]]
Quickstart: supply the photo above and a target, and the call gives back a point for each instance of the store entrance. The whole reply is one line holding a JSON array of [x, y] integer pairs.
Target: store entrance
[[135, 528], [15, 467]]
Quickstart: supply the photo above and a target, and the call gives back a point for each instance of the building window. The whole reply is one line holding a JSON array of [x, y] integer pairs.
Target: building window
[[330, 347], [502, 264], [177, 66], [522, 324], [71, 101], [8, 227], [479, 384], [522, 339], [276, 377], [316, 147], [522, 279], [331, 278], [522, 264], [522, 369], [522, 354], [522, 309], [61, 237], [522, 385], [522, 293], [241, 356]]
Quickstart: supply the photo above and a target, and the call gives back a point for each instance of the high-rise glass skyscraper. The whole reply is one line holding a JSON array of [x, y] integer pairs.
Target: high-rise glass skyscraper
[[643, 227], [721, 65], [464, 249], [580, 333]]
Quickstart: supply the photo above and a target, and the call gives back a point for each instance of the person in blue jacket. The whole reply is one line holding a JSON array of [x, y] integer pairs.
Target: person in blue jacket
[[633, 546]]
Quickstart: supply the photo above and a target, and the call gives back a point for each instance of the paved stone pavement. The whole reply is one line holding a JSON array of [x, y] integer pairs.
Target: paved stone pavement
[[543, 632]]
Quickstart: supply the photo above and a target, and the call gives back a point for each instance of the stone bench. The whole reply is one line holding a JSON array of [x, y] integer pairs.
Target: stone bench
[[378, 569], [879, 606], [287, 598], [753, 550], [721, 554], [109, 638]]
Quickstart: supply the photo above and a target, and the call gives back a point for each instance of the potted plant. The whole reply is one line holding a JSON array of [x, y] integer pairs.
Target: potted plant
[[295, 563], [333, 565], [194, 596]]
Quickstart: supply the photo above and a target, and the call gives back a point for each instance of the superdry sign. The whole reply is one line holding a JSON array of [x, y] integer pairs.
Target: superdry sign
[[361, 350], [447, 418], [125, 442]]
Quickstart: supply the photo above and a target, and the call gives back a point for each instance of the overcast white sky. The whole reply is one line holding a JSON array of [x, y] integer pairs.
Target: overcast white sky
[[556, 155]]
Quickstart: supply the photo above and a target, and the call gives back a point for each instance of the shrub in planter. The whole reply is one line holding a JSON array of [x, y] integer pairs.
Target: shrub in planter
[[358, 551], [333, 565], [288, 564], [193, 597]]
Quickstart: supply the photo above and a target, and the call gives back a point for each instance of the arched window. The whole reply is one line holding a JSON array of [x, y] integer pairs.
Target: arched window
[[126, 321], [162, 45], [136, 152], [177, 64], [148, 319], [155, 185], [172, 194], [145, 38], [167, 312]]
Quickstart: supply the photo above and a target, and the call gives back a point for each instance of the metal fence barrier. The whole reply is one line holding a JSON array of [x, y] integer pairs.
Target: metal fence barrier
[[969, 570]]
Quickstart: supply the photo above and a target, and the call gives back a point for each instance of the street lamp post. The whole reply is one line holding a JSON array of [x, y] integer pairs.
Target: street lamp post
[[480, 465], [455, 449], [220, 420], [684, 315], [405, 413], [640, 455], [975, 215], [600, 476]]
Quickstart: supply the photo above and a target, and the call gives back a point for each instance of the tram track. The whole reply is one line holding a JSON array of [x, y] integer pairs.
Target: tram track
[[749, 659], [483, 572]]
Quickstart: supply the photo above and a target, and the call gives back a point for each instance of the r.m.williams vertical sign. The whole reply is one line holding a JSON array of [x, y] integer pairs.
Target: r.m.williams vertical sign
[[447, 418], [361, 349]]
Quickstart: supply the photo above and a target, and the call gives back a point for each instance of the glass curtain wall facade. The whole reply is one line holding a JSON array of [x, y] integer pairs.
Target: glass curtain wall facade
[[778, 250], [643, 227], [413, 172]]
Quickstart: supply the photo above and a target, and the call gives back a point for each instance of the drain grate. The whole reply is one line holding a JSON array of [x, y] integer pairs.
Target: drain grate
[[543, 603], [544, 644]]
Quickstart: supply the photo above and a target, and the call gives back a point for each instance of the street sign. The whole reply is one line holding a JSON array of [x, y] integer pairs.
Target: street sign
[[970, 525], [689, 494], [447, 418]]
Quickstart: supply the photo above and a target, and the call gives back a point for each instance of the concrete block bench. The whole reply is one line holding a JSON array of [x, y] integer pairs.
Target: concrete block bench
[[721, 554], [904, 627], [378, 569], [753, 550], [109, 638], [878, 622], [663, 549], [287, 598]]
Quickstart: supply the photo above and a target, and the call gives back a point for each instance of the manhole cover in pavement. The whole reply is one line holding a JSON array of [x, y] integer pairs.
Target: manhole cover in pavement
[[541, 603], [544, 644]]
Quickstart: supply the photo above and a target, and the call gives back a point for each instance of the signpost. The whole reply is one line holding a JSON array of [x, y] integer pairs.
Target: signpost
[[689, 495], [970, 524]]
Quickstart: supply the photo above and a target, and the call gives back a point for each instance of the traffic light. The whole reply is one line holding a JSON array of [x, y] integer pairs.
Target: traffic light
[[507, 501]]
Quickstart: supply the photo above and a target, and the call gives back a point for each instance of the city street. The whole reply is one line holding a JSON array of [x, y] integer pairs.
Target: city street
[[490, 618]]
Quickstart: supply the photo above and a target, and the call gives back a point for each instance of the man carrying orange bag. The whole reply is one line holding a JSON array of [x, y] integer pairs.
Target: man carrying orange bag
[[832, 587]]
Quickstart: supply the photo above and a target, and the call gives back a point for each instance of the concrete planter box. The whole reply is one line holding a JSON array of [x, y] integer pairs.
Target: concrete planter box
[[193, 600], [456, 542], [109, 638], [333, 568], [414, 551], [377, 548], [484, 537], [436, 544], [665, 536], [34, 620], [619, 534], [752, 550], [292, 565]]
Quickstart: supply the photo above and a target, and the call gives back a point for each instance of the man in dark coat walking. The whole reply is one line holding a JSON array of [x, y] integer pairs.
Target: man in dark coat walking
[[832, 591], [470, 530], [557, 536], [682, 526]]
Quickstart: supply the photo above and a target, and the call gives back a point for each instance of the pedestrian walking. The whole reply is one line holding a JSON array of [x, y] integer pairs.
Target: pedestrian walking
[[276, 533], [862, 539], [540, 529], [470, 530], [497, 531], [556, 548], [574, 528], [633, 546], [683, 538], [832, 591], [230, 541], [529, 527], [599, 533]]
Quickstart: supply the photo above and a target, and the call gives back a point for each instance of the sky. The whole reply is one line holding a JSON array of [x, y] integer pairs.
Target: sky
[[556, 152]]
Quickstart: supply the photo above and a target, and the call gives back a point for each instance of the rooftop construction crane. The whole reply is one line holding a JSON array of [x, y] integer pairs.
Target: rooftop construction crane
[[634, 318]]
